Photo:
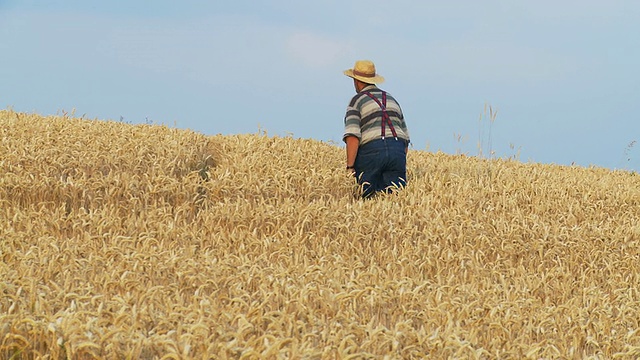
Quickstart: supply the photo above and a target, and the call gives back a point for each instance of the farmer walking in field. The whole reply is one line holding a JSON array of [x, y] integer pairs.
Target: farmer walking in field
[[375, 133]]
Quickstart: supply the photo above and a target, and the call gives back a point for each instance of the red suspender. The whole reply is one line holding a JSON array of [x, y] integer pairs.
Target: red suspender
[[385, 117]]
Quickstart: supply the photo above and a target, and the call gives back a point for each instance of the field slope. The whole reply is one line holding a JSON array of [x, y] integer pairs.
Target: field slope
[[143, 241]]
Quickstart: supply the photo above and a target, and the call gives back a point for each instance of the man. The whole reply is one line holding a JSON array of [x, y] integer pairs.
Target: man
[[375, 133]]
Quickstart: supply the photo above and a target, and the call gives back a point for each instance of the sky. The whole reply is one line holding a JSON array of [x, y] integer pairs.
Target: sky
[[552, 82]]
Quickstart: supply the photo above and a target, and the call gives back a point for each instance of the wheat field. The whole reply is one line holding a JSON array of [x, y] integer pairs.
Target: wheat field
[[123, 241]]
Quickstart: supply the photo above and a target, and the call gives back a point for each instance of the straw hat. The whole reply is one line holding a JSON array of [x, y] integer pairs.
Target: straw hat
[[365, 71]]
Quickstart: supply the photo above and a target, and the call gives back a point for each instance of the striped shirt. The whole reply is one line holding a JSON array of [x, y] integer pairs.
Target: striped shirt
[[364, 117]]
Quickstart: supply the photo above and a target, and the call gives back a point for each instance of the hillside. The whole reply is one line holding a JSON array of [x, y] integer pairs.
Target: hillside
[[144, 241]]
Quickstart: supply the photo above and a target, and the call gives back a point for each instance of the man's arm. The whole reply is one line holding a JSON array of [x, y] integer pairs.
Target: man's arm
[[352, 149]]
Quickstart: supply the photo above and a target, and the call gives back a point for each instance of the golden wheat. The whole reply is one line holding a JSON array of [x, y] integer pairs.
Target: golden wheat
[[141, 241]]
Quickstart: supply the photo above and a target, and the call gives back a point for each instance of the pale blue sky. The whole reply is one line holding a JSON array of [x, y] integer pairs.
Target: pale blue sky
[[563, 75]]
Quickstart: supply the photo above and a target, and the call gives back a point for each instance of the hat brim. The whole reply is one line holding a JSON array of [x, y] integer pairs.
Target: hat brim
[[377, 79]]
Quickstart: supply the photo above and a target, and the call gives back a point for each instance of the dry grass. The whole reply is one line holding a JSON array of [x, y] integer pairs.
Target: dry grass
[[123, 241]]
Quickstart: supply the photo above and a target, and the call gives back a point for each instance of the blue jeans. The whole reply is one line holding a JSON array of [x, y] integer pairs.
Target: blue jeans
[[381, 165]]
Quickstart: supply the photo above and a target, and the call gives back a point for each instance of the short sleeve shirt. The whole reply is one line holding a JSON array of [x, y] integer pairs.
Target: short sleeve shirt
[[363, 118]]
